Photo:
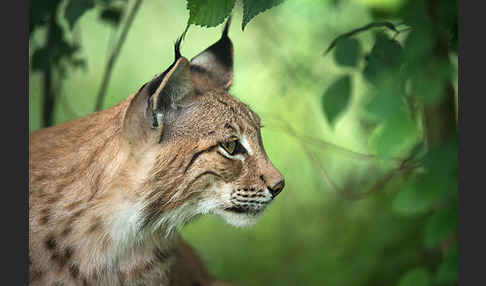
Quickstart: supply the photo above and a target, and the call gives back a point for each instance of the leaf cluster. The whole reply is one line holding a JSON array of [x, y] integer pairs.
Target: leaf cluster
[[210, 13], [407, 76], [60, 50]]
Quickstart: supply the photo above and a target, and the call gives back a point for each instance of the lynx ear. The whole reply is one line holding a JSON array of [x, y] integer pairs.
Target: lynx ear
[[156, 98], [216, 62]]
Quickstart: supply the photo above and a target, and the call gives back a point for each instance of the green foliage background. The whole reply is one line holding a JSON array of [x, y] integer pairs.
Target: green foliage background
[[315, 109]]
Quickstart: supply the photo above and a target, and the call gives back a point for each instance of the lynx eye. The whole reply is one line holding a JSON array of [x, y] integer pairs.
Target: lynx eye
[[233, 147]]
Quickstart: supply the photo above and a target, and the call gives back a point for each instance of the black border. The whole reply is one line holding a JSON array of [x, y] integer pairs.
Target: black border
[[15, 141]]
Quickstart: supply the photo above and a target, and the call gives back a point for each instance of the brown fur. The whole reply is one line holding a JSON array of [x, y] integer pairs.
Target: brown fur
[[104, 187]]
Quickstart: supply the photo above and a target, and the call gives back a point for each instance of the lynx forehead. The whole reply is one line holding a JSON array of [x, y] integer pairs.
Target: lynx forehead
[[108, 191]]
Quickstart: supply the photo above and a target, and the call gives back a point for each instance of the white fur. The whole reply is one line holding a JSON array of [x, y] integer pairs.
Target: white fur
[[238, 220], [204, 59], [124, 227], [245, 144]]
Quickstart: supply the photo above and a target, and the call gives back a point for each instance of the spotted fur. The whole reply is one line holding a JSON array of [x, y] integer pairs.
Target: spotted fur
[[108, 191]]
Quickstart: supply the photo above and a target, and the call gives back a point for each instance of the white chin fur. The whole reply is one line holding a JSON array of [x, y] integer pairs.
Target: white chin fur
[[238, 219]]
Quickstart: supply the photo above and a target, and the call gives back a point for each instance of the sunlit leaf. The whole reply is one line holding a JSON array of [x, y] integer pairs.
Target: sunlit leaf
[[75, 9], [384, 5], [416, 277], [347, 52], [209, 13], [336, 98], [251, 8]]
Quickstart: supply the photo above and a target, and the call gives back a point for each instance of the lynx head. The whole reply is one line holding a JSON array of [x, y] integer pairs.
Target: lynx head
[[200, 146]]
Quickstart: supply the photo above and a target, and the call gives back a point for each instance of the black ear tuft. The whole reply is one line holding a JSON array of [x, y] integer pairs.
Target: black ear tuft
[[226, 27], [177, 48]]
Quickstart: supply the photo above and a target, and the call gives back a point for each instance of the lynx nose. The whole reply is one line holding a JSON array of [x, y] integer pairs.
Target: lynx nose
[[277, 188]]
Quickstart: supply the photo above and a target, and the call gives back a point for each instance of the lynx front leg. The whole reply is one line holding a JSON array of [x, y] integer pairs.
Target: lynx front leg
[[189, 270]]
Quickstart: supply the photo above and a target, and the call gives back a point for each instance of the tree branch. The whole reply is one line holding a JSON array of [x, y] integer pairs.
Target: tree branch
[[48, 104], [115, 54], [440, 117]]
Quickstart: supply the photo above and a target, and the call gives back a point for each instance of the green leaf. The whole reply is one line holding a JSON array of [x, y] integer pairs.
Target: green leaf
[[386, 102], [63, 49], [389, 51], [347, 52], [426, 71], [111, 15], [251, 8], [398, 133], [79, 63], [39, 13], [443, 159], [75, 9], [336, 98], [384, 60], [373, 69], [440, 226], [447, 274], [416, 277], [429, 80], [411, 201], [209, 13], [40, 59]]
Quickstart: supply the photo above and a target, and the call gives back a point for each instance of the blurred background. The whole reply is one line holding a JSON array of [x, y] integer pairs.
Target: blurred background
[[370, 196]]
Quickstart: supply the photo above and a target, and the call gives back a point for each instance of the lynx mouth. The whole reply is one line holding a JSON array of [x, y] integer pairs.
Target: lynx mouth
[[237, 209], [244, 210], [240, 216]]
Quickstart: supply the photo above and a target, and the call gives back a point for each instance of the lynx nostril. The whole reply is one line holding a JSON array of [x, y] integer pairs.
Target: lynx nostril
[[277, 188]]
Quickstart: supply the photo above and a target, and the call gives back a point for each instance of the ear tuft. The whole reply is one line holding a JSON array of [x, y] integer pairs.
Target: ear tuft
[[226, 27], [177, 48]]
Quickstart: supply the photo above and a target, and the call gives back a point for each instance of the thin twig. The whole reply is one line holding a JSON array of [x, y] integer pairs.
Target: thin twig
[[323, 172], [114, 55], [48, 104], [316, 141], [361, 29], [405, 166]]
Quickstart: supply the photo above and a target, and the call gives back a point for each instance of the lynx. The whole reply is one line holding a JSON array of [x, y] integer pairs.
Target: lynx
[[109, 191]]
